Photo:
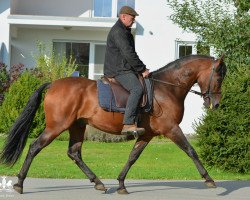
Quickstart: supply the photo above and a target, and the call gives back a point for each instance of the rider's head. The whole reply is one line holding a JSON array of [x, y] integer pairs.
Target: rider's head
[[127, 16]]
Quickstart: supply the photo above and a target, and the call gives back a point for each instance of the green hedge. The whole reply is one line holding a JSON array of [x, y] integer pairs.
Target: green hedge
[[224, 134], [15, 100]]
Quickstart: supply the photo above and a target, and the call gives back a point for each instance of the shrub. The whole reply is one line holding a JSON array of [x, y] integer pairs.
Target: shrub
[[49, 68], [15, 100], [52, 66], [3, 80], [7, 78], [224, 134]]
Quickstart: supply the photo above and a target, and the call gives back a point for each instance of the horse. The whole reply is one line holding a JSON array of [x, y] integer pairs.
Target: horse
[[72, 103]]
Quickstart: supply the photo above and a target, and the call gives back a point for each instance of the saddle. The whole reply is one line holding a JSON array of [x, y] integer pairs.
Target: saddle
[[113, 96]]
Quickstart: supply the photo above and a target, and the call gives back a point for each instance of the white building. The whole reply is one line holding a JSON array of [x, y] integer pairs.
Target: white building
[[81, 27]]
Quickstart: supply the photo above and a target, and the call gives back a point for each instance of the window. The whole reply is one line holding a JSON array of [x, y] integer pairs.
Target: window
[[99, 60], [102, 8], [121, 3], [79, 53], [184, 48]]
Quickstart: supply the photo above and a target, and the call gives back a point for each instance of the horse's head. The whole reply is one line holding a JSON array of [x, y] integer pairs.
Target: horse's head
[[210, 81]]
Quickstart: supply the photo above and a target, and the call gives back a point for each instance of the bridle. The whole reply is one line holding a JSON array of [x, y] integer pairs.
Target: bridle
[[207, 94]]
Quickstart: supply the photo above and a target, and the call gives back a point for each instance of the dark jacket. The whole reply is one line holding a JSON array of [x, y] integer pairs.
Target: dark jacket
[[120, 56]]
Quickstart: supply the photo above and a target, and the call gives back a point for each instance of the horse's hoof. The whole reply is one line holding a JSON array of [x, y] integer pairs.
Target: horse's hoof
[[100, 187], [210, 184], [18, 188], [122, 191]]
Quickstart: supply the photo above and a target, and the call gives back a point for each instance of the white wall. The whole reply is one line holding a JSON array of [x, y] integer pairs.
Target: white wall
[[24, 44], [193, 111], [156, 38], [156, 34], [4, 32], [72, 8]]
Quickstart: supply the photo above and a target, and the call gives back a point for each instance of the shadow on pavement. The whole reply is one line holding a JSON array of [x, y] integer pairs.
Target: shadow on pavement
[[229, 186]]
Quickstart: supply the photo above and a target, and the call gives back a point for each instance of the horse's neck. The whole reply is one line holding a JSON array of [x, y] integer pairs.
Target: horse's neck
[[181, 79]]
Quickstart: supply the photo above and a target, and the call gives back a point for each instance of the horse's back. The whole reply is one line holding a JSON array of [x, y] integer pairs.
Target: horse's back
[[72, 83]]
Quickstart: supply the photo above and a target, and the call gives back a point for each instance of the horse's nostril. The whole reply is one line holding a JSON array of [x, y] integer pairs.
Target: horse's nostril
[[216, 105]]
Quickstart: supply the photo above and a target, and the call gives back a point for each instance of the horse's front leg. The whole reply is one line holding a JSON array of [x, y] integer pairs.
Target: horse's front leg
[[139, 146], [177, 136]]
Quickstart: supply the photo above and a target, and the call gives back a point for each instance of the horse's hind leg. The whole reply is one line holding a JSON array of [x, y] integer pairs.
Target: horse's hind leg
[[177, 136], [74, 152], [139, 146], [35, 147]]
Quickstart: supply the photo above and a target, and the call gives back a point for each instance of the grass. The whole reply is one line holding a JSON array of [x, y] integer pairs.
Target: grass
[[160, 160]]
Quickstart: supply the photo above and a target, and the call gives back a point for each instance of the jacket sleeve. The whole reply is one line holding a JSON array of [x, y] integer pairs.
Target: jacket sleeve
[[123, 42]]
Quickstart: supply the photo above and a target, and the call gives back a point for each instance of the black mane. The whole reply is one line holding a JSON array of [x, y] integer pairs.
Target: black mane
[[177, 63]]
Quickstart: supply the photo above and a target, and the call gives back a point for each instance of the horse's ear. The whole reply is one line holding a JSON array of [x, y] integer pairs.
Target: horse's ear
[[218, 62], [222, 58]]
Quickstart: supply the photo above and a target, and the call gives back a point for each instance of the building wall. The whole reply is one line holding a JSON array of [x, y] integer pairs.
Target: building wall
[[156, 38], [156, 35], [24, 44], [73, 8], [4, 32]]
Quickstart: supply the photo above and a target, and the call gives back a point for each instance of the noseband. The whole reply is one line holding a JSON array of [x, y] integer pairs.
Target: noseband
[[208, 93], [205, 95]]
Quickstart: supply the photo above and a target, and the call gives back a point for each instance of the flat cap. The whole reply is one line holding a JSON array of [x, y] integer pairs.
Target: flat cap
[[128, 10]]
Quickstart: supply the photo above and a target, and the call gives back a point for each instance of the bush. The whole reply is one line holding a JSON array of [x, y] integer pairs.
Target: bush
[[224, 134], [49, 68], [3, 80], [7, 78], [15, 100], [53, 66]]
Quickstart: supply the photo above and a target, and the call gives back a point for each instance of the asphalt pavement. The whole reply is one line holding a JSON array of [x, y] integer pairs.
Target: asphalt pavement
[[74, 189]]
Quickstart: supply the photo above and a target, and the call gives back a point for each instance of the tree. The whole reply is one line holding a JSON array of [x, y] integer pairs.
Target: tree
[[224, 134], [224, 25]]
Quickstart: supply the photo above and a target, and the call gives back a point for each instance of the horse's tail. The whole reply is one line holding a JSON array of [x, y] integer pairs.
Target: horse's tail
[[18, 135]]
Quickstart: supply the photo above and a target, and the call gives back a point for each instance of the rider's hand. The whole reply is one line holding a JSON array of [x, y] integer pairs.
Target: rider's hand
[[145, 73]]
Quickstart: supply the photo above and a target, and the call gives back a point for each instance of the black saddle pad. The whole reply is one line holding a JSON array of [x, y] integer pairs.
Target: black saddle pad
[[107, 100]]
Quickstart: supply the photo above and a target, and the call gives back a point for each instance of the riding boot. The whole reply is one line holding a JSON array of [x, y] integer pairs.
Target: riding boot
[[132, 130]]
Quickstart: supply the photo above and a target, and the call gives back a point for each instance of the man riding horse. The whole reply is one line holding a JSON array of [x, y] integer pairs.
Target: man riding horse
[[123, 64]]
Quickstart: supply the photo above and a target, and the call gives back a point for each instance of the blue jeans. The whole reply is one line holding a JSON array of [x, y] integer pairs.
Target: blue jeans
[[131, 83]]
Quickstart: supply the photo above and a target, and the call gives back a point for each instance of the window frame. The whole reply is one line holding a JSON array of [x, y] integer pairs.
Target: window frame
[[179, 43], [114, 9], [92, 44], [92, 59]]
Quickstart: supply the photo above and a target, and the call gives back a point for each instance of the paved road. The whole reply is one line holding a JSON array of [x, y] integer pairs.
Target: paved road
[[74, 189]]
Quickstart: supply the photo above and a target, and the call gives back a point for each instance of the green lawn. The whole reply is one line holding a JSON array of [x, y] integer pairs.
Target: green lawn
[[160, 160]]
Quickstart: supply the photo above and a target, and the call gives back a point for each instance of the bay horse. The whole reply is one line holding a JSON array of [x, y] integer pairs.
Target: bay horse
[[72, 103]]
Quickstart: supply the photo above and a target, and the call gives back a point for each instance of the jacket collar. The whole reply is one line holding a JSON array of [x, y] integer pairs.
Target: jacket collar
[[119, 22]]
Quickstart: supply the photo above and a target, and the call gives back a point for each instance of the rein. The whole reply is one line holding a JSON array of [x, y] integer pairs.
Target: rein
[[178, 85], [204, 95]]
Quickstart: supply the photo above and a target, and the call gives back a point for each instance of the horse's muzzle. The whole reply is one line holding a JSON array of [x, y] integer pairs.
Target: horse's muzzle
[[216, 106], [208, 103]]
